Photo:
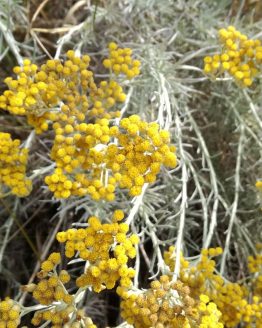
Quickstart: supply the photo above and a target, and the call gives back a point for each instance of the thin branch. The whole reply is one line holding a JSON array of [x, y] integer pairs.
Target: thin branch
[[236, 198]]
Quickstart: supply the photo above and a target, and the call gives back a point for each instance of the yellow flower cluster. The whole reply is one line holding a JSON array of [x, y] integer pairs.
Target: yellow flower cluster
[[62, 317], [255, 263], [210, 316], [37, 93], [240, 57], [168, 304], [90, 163], [162, 305], [143, 149], [81, 321], [63, 92], [13, 162], [232, 299], [259, 185], [255, 268], [120, 61], [107, 249], [51, 291], [9, 313], [92, 155], [195, 276], [51, 287], [57, 317]]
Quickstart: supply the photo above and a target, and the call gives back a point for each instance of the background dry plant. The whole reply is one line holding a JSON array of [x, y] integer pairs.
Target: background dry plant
[[209, 199]]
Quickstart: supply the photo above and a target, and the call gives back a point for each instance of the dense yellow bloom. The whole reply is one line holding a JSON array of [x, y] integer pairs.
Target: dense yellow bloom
[[51, 290], [60, 317], [168, 304], [240, 57], [231, 299], [93, 155], [89, 163], [121, 62], [13, 160], [9, 313], [50, 287], [106, 247], [53, 260]]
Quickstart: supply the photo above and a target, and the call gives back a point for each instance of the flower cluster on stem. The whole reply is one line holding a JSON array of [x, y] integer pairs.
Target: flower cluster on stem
[[240, 57]]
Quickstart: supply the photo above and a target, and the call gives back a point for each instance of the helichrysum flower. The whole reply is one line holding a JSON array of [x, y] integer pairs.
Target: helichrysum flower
[[88, 163], [120, 61], [107, 249], [240, 57], [13, 161], [9, 313], [93, 156], [50, 287], [168, 304], [232, 302]]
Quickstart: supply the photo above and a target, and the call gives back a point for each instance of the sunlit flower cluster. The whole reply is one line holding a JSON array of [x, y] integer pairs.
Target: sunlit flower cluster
[[63, 316], [121, 62], [93, 155], [196, 276], [232, 299], [50, 287], [99, 158], [13, 161], [168, 304], [107, 249], [9, 313], [51, 291], [240, 57]]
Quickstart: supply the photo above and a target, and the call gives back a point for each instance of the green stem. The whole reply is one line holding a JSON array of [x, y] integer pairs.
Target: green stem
[[94, 15], [24, 233]]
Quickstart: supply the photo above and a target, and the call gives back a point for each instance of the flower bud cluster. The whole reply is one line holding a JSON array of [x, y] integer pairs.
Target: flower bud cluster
[[107, 249], [255, 263], [81, 321], [232, 299], [159, 306], [143, 149], [63, 92], [210, 316], [51, 291], [65, 316], [121, 62], [168, 304], [58, 317], [240, 57], [255, 268], [97, 158], [50, 287], [9, 313], [38, 93], [195, 276], [92, 156], [13, 162]]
